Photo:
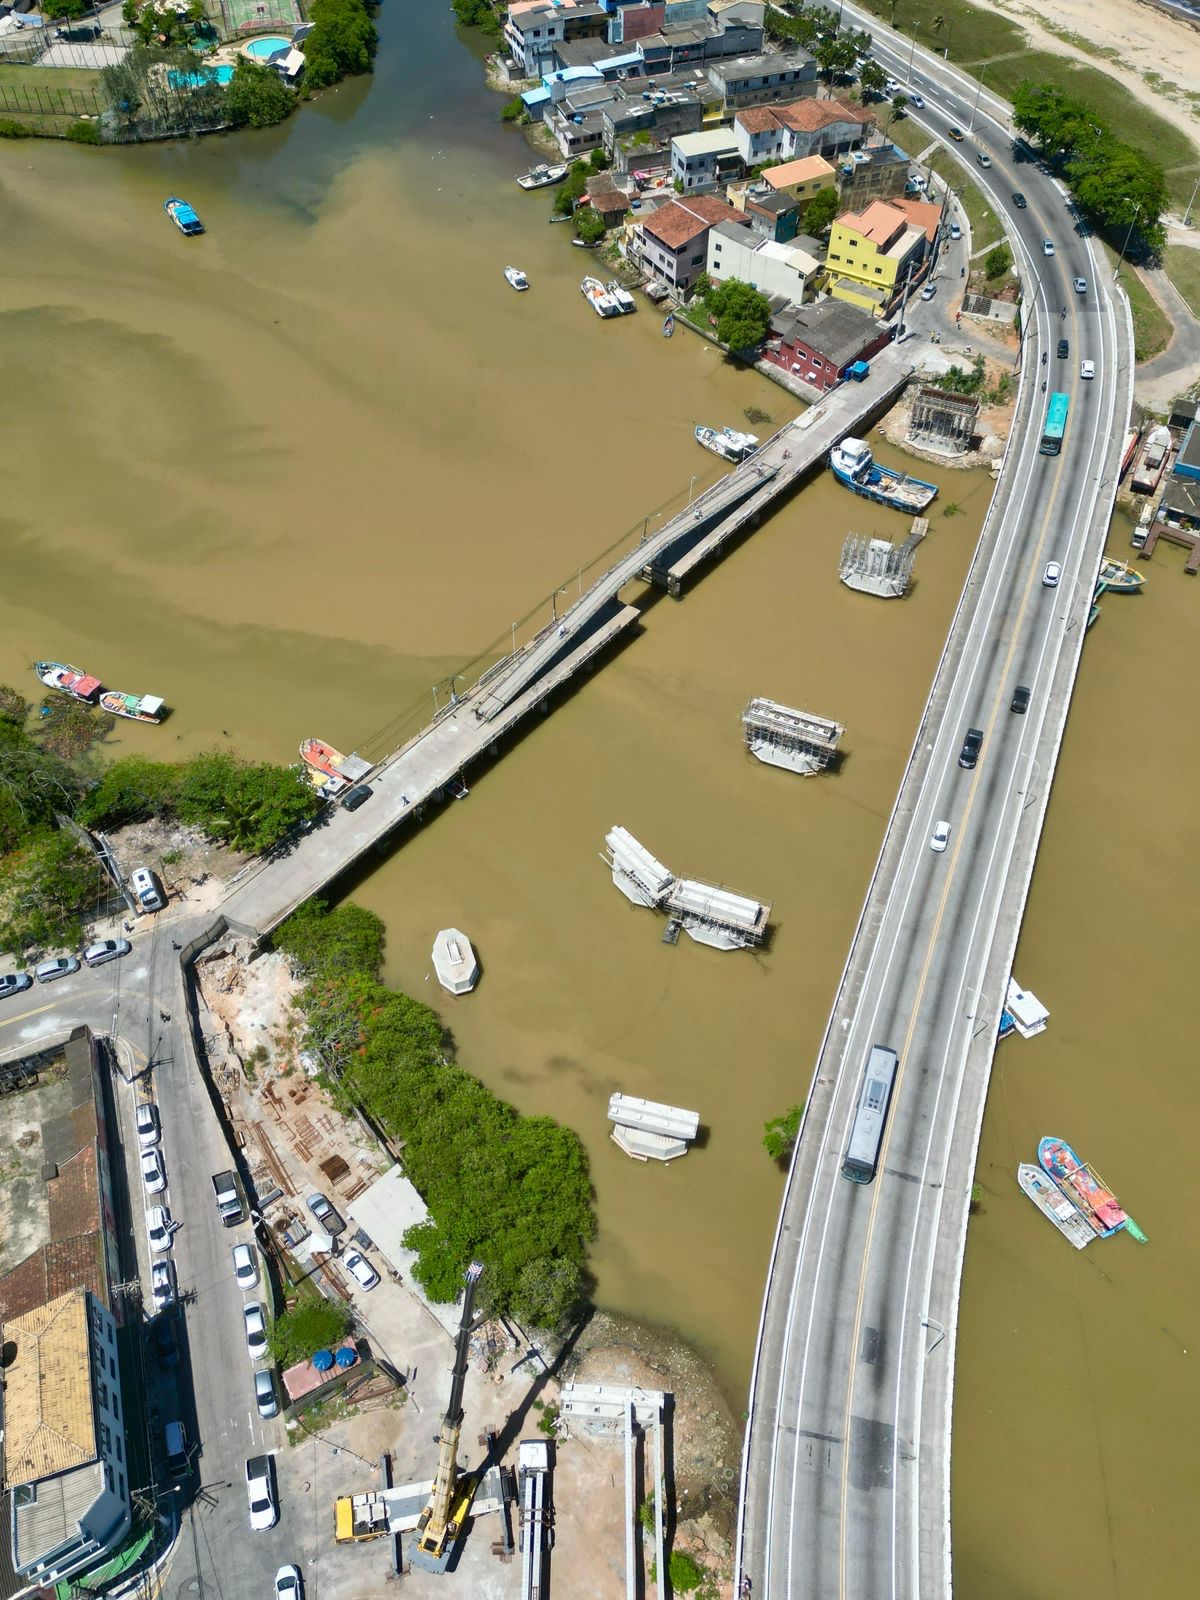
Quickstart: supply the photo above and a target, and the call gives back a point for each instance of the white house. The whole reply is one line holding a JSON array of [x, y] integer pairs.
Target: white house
[[64, 1438], [706, 160], [773, 269]]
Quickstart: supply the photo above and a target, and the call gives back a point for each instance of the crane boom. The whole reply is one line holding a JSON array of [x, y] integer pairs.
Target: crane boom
[[442, 1519]]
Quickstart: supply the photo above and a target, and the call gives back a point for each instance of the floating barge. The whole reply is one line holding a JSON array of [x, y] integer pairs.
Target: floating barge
[[455, 961], [1046, 1195], [637, 874], [650, 1131], [854, 466], [794, 740], [714, 917]]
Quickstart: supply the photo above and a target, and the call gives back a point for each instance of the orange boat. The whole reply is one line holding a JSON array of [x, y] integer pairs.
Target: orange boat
[[322, 756]]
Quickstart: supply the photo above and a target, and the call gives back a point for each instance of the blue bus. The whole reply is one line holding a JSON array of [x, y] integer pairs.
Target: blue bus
[[862, 1151], [1056, 425]]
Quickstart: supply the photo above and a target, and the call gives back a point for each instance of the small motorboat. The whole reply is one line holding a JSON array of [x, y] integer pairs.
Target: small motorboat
[[669, 325], [79, 685], [601, 302], [1119, 577], [625, 301], [516, 277], [583, 244], [541, 176], [137, 707], [182, 215], [455, 961], [727, 443]]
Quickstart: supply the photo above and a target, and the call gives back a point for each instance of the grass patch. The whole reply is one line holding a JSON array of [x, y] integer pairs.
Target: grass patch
[[1183, 268], [1152, 327], [986, 227], [969, 33], [50, 81]]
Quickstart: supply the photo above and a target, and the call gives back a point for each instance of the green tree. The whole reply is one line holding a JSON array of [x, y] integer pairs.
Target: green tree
[[250, 807], [66, 10], [323, 944], [512, 110], [685, 1572], [780, 1134], [34, 785], [821, 210], [598, 161], [898, 103], [589, 225], [315, 1324], [835, 55], [342, 42], [49, 884], [476, 14], [257, 96], [742, 314], [131, 790], [872, 78], [13, 705], [997, 261]]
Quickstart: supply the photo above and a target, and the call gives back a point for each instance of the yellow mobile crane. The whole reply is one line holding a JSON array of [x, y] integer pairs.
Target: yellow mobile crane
[[442, 1520]]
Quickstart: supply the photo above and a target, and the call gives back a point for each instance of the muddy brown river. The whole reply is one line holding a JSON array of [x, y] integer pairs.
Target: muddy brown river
[[296, 475]]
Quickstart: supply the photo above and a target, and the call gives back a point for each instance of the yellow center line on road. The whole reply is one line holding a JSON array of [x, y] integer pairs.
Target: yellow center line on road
[[25, 1015], [922, 982]]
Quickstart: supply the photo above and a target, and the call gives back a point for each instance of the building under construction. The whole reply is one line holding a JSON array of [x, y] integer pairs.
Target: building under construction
[[879, 567], [797, 741], [943, 421]]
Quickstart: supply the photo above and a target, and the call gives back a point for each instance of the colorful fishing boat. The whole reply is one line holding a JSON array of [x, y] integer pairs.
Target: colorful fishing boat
[[1055, 1205], [598, 297], [137, 707], [1152, 462], [69, 680], [1118, 577], [324, 758], [182, 215], [668, 325], [1083, 1185], [854, 466]]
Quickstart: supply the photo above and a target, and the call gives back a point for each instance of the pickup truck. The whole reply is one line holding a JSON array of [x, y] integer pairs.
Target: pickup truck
[[229, 1198]]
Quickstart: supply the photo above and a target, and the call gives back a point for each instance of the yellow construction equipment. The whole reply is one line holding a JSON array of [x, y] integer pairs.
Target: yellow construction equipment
[[443, 1518], [359, 1516]]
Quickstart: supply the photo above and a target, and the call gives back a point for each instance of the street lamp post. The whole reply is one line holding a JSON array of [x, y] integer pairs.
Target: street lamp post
[[911, 54], [1137, 211], [1187, 215], [975, 107]]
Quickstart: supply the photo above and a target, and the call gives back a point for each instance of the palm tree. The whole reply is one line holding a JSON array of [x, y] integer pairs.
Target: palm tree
[[937, 24]]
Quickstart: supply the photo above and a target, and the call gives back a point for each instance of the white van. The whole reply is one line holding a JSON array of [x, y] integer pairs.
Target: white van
[[147, 890]]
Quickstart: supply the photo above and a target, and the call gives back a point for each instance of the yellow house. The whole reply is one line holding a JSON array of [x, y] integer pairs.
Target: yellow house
[[870, 253], [801, 179]]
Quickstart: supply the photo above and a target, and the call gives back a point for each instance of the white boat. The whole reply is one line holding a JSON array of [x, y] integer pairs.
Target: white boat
[[602, 303], [727, 444], [1054, 1205], [137, 707], [625, 301], [455, 961], [69, 680], [516, 277], [541, 176]]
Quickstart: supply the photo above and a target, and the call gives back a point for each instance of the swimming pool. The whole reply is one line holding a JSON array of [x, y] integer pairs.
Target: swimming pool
[[263, 49], [197, 80]]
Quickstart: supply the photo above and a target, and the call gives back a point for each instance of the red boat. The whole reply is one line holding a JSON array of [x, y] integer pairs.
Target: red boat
[[69, 680]]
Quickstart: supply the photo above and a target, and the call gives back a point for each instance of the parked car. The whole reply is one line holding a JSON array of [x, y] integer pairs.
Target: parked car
[[59, 967], [360, 1269], [149, 1129], [245, 1266], [14, 983], [166, 1345], [928, 292], [160, 1227], [260, 1492], [356, 797], [940, 837], [255, 1317], [955, 231], [326, 1214], [177, 1452], [1087, 369], [1019, 200], [265, 1397], [289, 1585], [154, 1172], [1047, 247], [106, 950], [163, 1287], [1052, 574], [1079, 285], [1020, 699]]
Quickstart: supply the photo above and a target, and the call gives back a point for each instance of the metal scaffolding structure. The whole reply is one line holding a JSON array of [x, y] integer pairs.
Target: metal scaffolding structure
[[794, 740], [942, 421], [879, 567]]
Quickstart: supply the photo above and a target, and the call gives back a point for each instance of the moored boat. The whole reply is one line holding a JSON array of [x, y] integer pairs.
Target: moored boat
[[455, 961], [182, 215], [69, 680], [726, 443], [541, 176], [1082, 1185], [854, 466], [1054, 1204], [598, 297], [1118, 577], [137, 707], [625, 301], [668, 325], [516, 277], [322, 756], [1152, 460]]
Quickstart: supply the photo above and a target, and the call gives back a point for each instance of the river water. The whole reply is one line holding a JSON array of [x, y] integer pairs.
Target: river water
[[297, 475]]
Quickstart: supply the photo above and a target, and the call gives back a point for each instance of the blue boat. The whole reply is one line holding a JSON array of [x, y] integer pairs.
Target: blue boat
[[855, 466], [182, 215], [669, 326]]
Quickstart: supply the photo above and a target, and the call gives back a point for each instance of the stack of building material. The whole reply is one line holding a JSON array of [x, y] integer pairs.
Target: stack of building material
[[649, 1131]]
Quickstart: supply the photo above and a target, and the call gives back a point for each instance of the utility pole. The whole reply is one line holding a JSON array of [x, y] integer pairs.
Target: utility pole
[[975, 107], [1187, 215]]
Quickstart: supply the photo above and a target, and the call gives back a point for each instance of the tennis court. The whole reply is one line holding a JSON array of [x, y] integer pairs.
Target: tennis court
[[247, 16]]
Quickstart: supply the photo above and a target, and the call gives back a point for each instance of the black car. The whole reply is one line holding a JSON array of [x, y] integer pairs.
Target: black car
[[972, 744], [356, 797], [1019, 201], [166, 1346], [1064, 349], [1020, 700]]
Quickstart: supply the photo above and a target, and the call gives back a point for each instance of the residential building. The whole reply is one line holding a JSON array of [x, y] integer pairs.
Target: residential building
[[823, 128], [706, 160], [924, 214], [695, 43], [870, 255], [631, 123], [64, 1438], [771, 215], [672, 245], [801, 179], [735, 251], [531, 31], [1179, 506], [1187, 462], [817, 343], [874, 172], [725, 13], [609, 202], [755, 80], [637, 19]]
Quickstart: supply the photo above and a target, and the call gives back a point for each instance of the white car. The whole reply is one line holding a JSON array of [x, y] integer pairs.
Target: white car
[[983, 158], [1047, 247], [160, 1227], [260, 1492], [265, 1397], [1079, 285], [255, 1317], [1087, 369], [916, 100], [59, 967], [162, 1284], [154, 1173], [147, 889], [245, 1266], [1052, 574], [955, 231], [928, 292], [289, 1585], [940, 837], [149, 1129], [360, 1269], [106, 950]]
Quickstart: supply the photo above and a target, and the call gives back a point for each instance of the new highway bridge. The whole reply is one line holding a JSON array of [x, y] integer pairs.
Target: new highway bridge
[[846, 1474]]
